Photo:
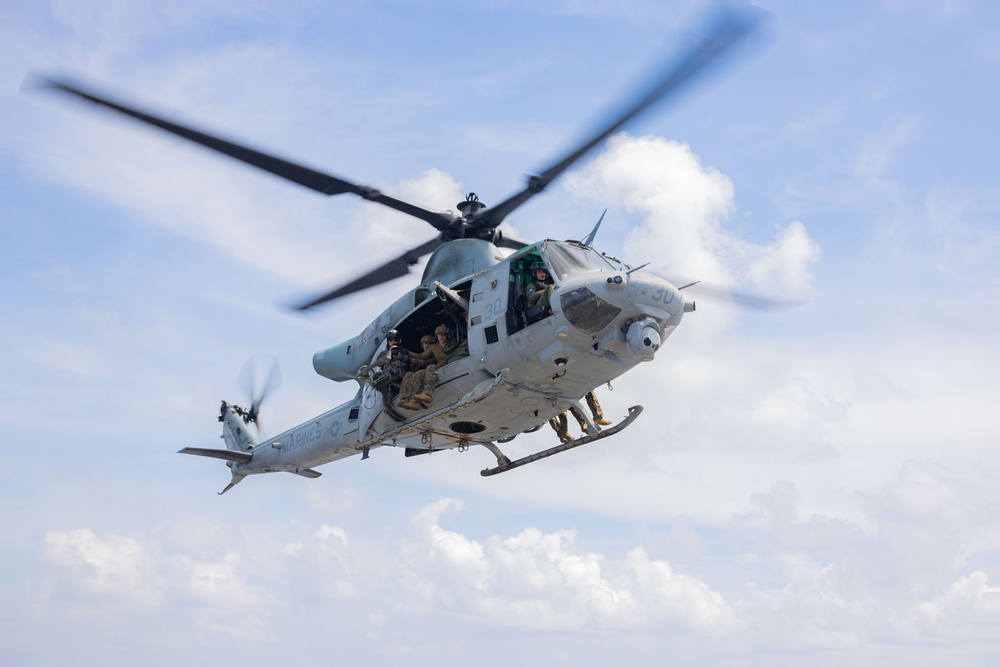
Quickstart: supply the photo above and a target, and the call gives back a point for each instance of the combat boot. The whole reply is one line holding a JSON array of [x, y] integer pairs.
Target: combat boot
[[426, 381], [595, 409], [560, 424]]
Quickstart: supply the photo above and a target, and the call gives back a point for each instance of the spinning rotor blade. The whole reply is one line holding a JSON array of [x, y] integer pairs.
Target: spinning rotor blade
[[391, 270], [310, 178], [736, 297], [731, 27], [248, 383], [741, 298], [509, 242]]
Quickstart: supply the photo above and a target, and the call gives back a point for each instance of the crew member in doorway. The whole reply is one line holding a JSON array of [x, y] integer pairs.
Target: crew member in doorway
[[418, 387], [396, 362]]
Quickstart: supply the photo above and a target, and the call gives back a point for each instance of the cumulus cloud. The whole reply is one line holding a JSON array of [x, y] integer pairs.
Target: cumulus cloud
[[805, 580], [116, 567], [783, 265], [433, 189], [683, 204], [543, 581], [119, 574], [323, 564], [896, 573], [684, 208]]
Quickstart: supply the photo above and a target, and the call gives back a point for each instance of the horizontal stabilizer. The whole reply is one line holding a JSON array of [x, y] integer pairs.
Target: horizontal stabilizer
[[224, 454], [306, 472]]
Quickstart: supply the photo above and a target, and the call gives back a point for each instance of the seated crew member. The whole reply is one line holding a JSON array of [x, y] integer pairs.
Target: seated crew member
[[396, 361], [560, 423], [538, 293], [420, 385], [414, 382]]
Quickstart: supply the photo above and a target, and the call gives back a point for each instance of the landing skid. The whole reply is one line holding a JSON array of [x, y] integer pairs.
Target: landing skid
[[504, 464]]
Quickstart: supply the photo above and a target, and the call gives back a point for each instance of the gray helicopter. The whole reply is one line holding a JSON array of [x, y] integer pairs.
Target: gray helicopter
[[528, 334]]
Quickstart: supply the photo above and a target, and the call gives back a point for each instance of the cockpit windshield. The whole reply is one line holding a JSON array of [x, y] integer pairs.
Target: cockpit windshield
[[568, 259]]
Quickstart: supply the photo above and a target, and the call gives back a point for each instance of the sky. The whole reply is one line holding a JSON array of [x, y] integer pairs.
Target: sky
[[816, 484]]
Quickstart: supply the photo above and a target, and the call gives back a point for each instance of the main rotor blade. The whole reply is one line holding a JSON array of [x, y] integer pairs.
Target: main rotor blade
[[731, 295], [742, 298], [391, 270], [310, 178], [510, 242], [730, 28]]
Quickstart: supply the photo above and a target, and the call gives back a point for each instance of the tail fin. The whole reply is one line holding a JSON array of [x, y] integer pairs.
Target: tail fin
[[235, 431]]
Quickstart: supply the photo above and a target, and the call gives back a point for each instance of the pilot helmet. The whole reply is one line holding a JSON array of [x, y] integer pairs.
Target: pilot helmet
[[538, 266], [392, 335], [428, 339], [442, 329]]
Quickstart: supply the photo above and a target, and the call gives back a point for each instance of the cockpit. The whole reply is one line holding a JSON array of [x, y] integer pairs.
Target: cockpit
[[561, 260]]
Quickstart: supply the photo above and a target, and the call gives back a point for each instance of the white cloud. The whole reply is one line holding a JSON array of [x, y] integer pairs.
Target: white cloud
[[806, 581], [325, 564], [542, 581], [684, 208], [782, 266], [118, 567], [682, 203], [895, 576]]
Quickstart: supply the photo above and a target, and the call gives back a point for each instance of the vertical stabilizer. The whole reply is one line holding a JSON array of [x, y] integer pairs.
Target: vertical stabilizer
[[235, 432]]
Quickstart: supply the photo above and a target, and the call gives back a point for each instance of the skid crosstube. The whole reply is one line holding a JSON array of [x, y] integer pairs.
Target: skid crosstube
[[506, 464]]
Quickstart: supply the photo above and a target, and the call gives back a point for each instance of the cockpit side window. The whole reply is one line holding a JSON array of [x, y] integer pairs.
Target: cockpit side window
[[528, 299]]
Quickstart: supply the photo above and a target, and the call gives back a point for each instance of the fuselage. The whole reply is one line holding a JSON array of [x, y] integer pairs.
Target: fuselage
[[521, 368]]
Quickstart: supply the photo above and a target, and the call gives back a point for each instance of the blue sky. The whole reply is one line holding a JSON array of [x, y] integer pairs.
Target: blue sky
[[814, 485]]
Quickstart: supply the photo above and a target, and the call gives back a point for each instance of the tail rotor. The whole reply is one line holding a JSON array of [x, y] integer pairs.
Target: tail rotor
[[257, 393]]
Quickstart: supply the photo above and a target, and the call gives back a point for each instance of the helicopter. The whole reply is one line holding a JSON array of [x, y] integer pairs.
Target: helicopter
[[513, 364]]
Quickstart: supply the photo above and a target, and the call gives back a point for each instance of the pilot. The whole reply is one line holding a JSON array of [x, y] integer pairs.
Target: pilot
[[419, 385], [538, 293], [560, 423]]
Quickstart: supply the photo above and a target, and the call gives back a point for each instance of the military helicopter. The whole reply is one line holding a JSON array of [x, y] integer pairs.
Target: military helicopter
[[513, 365]]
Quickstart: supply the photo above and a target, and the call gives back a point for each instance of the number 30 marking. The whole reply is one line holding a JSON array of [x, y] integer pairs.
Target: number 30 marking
[[493, 309]]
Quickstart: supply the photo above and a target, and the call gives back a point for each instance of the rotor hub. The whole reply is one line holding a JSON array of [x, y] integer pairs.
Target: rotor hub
[[470, 206]]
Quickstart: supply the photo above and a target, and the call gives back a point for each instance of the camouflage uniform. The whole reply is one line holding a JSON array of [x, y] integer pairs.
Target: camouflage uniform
[[396, 362], [419, 383], [419, 386], [422, 381], [560, 423]]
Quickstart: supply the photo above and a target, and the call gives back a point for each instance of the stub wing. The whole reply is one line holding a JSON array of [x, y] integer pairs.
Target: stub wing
[[306, 472]]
